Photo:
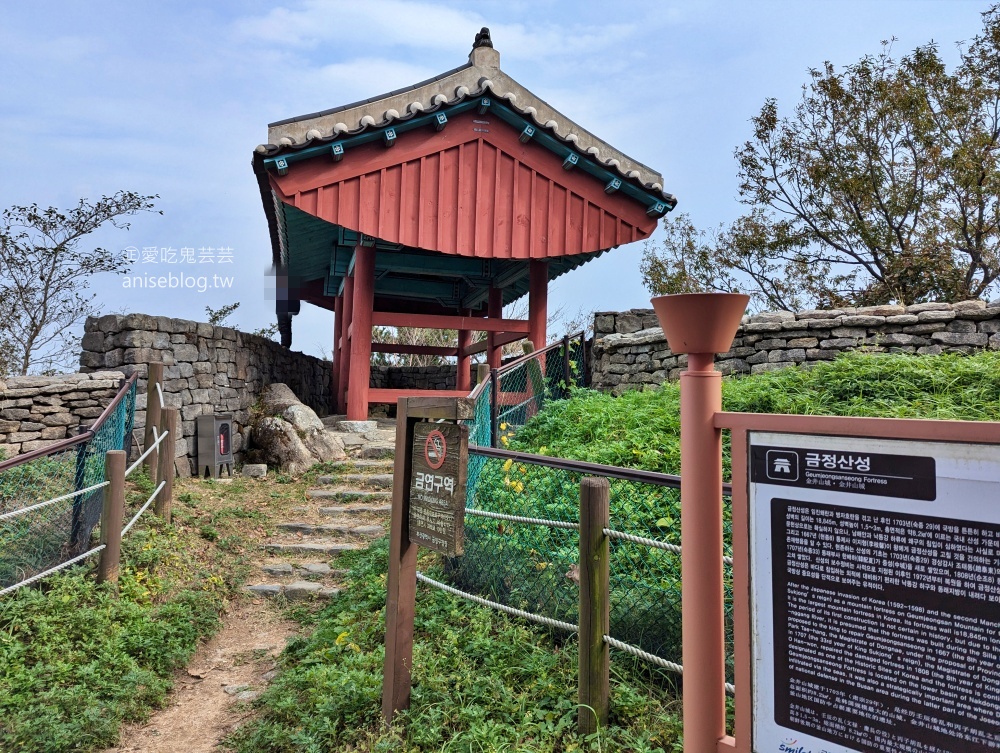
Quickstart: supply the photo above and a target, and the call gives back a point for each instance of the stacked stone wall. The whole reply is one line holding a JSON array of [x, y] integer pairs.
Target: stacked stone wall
[[36, 411], [207, 369], [416, 377], [630, 351]]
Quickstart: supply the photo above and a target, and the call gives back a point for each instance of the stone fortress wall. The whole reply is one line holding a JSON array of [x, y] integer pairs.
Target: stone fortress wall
[[36, 411], [630, 351], [207, 369]]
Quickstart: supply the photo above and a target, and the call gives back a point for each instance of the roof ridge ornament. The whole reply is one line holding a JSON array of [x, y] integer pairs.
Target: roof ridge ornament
[[483, 38]]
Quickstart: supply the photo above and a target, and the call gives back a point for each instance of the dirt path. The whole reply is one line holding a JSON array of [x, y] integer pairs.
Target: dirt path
[[200, 711]]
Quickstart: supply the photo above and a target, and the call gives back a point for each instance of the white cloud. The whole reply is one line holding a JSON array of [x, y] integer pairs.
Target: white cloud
[[427, 26]]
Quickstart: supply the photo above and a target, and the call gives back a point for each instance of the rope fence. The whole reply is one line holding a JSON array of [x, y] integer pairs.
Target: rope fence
[[51, 570], [79, 486], [540, 619], [152, 498], [521, 544]]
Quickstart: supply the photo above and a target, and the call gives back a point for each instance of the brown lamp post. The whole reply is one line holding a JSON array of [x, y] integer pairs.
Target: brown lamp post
[[701, 325]]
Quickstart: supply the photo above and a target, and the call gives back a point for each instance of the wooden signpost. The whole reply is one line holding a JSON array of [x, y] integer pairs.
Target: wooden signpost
[[428, 505]]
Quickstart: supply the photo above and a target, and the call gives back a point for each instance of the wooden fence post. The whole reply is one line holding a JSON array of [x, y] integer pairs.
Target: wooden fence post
[[567, 371], [164, 500], [482, 372], [594, 605], [111, 516], [154, 376], [494, 402]]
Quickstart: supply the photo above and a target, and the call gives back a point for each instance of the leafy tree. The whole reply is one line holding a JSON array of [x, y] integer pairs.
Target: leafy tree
[[883, 184], [44, 275]]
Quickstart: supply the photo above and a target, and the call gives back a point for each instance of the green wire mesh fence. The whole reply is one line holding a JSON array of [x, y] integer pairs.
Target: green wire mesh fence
[[51, 500], [534, 568], [519, 390]]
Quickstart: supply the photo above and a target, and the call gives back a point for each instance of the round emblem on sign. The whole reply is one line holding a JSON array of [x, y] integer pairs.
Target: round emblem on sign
[[435, 449]]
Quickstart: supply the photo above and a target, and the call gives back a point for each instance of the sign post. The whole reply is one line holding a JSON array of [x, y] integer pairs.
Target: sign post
[[428, 504]]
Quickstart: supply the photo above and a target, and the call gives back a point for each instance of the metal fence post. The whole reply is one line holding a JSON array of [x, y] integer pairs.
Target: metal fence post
[[594, 605], [111, 516], [154, 376], [164, 500]]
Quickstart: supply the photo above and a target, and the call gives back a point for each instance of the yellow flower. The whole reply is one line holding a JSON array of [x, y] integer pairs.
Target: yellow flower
[[503, 427], [505, 440], [507, 465], [518, 486]]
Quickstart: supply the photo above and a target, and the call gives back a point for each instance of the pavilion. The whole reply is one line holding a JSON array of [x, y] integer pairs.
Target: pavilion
[[435, 206]]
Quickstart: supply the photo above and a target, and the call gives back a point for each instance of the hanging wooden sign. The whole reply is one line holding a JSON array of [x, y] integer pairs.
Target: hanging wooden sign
[[437, 486]]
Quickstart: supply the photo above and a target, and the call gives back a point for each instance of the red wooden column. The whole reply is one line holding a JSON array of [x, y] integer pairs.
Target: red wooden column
[[494, 310], [538, 295], [361, 334], [463, 380], [338, 315], [347, 307]]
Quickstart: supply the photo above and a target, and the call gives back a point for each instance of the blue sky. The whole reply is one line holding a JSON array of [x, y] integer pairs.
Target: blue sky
[[171, 98]]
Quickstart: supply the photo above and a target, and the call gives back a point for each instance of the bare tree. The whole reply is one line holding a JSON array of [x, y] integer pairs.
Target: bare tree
[[44, 275]]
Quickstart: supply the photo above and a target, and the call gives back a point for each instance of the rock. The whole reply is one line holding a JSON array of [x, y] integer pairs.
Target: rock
[[281, 445], [935, 315], [316, 568], [264, 589], [277, 398], [917, 308], [961, 338], [324, 445], [281, 568], [378, 451], [356, 427], [301, 589], [248, 695], [255, 470], [303, 418], [234, 689], [971, 305]]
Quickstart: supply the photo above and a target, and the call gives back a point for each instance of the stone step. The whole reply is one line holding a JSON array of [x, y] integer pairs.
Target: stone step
[[287, 569], [335, 510], [325, 529], [378, 450], [370, 464], [350, 495], [297, 591], [328, 548], [377, 480]]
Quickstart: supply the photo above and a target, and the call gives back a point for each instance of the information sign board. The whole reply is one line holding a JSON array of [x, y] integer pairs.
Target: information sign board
[[437, 486], [875, 595]]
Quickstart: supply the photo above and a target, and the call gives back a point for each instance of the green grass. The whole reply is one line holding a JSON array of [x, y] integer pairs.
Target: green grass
[[481, 682], [78, 659], [641, 429]]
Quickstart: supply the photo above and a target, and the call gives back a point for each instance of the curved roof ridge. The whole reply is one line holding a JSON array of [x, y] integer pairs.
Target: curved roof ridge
[[481, 75]]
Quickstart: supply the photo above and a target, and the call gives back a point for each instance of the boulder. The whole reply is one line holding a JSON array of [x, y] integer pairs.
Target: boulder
[[281, 445], [277, 398], [302, 417], [291, 435]]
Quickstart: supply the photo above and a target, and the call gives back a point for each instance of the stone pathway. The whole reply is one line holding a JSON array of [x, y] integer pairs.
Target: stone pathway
[[345, 511]]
